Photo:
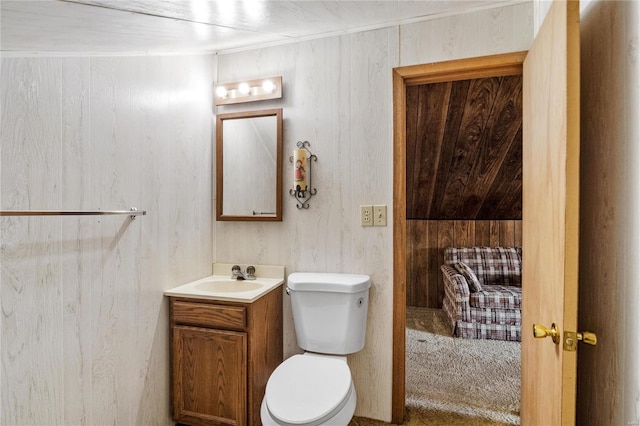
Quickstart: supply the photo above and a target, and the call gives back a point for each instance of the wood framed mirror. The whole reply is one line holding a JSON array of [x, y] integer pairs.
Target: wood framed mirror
[[249, 166]]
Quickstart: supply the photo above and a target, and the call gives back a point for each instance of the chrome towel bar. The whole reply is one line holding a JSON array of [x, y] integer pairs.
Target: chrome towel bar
[[132, 213]]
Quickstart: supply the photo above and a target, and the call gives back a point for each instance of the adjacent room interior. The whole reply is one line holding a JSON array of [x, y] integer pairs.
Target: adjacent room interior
[[464, 189]]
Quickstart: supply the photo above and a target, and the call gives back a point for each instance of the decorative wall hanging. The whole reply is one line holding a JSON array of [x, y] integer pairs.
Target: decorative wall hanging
[[301, 160]]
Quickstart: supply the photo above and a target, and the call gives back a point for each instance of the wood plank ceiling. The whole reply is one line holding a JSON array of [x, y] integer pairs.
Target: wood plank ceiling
[[464, 149]]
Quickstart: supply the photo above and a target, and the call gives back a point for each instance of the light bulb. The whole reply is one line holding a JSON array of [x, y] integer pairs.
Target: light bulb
[[268, 86], [244, 88], [221, 91]]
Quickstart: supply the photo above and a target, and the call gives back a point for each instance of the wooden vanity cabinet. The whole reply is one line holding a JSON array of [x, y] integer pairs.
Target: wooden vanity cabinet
[[222, 354]]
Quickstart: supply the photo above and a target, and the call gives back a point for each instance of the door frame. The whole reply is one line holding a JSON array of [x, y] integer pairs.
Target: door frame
[[463, 69]]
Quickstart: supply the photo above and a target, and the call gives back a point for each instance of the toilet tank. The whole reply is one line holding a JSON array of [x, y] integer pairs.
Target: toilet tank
[[329, 311]]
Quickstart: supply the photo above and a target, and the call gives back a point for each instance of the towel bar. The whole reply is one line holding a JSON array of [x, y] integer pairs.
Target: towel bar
[[133, 212]]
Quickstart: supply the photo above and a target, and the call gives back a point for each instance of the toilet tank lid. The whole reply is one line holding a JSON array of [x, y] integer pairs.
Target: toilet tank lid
[[329, 282]]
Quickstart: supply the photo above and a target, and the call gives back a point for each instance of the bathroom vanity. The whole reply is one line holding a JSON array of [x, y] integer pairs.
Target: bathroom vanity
[[224, 346]]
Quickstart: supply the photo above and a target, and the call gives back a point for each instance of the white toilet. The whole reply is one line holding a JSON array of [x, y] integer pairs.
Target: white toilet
[[330, 319]]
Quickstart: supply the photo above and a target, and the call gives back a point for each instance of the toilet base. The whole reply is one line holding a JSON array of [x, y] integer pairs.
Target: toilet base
[[342, 417]]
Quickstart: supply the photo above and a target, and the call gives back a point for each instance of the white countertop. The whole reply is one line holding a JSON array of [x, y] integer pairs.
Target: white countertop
[[267, 278]]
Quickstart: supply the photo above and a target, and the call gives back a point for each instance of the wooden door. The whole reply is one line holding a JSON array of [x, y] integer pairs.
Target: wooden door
[[551, 144], [209, 376]]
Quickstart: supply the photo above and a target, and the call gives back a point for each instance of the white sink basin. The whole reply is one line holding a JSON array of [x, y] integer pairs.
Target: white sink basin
[[228, 286], [220, 286]]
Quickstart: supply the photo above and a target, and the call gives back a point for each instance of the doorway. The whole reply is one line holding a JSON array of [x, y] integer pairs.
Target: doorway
[[403, 77]]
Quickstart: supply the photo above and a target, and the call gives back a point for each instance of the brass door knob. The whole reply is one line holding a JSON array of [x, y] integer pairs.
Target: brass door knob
[[540, 331]]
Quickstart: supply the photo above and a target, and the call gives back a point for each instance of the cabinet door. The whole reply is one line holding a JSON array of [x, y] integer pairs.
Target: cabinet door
[[209, 376]]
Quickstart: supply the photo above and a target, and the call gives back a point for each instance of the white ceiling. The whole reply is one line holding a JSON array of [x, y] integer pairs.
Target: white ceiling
[[180, 26]]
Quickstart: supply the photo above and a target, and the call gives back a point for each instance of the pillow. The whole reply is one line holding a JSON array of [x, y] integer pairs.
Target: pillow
[[469, 275]]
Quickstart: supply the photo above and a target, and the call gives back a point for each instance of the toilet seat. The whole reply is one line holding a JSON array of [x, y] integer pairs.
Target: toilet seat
[[308, 389]]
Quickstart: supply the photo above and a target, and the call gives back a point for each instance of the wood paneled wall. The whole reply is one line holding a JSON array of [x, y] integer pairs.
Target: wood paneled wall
[[609, 288], [464, 149], [464, 174], [426, 241]]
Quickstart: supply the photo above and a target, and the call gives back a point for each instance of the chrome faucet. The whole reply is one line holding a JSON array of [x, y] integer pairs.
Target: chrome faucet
[[238, 274]]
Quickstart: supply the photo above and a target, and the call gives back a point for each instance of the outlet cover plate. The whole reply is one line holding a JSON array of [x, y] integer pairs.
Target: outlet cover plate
[[366, 215]]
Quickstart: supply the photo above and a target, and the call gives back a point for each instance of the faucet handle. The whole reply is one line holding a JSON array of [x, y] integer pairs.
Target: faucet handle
[[251, 272], [235, 271]]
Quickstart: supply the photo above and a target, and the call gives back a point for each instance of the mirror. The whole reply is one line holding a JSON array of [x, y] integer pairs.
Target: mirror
[[249, 166]]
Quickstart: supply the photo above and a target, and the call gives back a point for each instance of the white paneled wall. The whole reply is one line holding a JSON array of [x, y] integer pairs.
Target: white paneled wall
[[84, 323], [487, 32], [338, 96]]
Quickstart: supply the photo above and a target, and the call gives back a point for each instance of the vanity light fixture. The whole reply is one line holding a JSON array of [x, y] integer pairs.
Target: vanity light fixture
[[249, 91]]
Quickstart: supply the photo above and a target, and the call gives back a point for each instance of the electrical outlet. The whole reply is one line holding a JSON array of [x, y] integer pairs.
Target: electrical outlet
[[380, 215], [366, 215]]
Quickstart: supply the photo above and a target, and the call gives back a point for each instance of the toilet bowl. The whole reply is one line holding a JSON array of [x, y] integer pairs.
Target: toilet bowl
[[309, 389], [329, 317]]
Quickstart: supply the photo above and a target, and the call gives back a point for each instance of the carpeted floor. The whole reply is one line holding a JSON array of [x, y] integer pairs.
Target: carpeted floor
[[453, 381]]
